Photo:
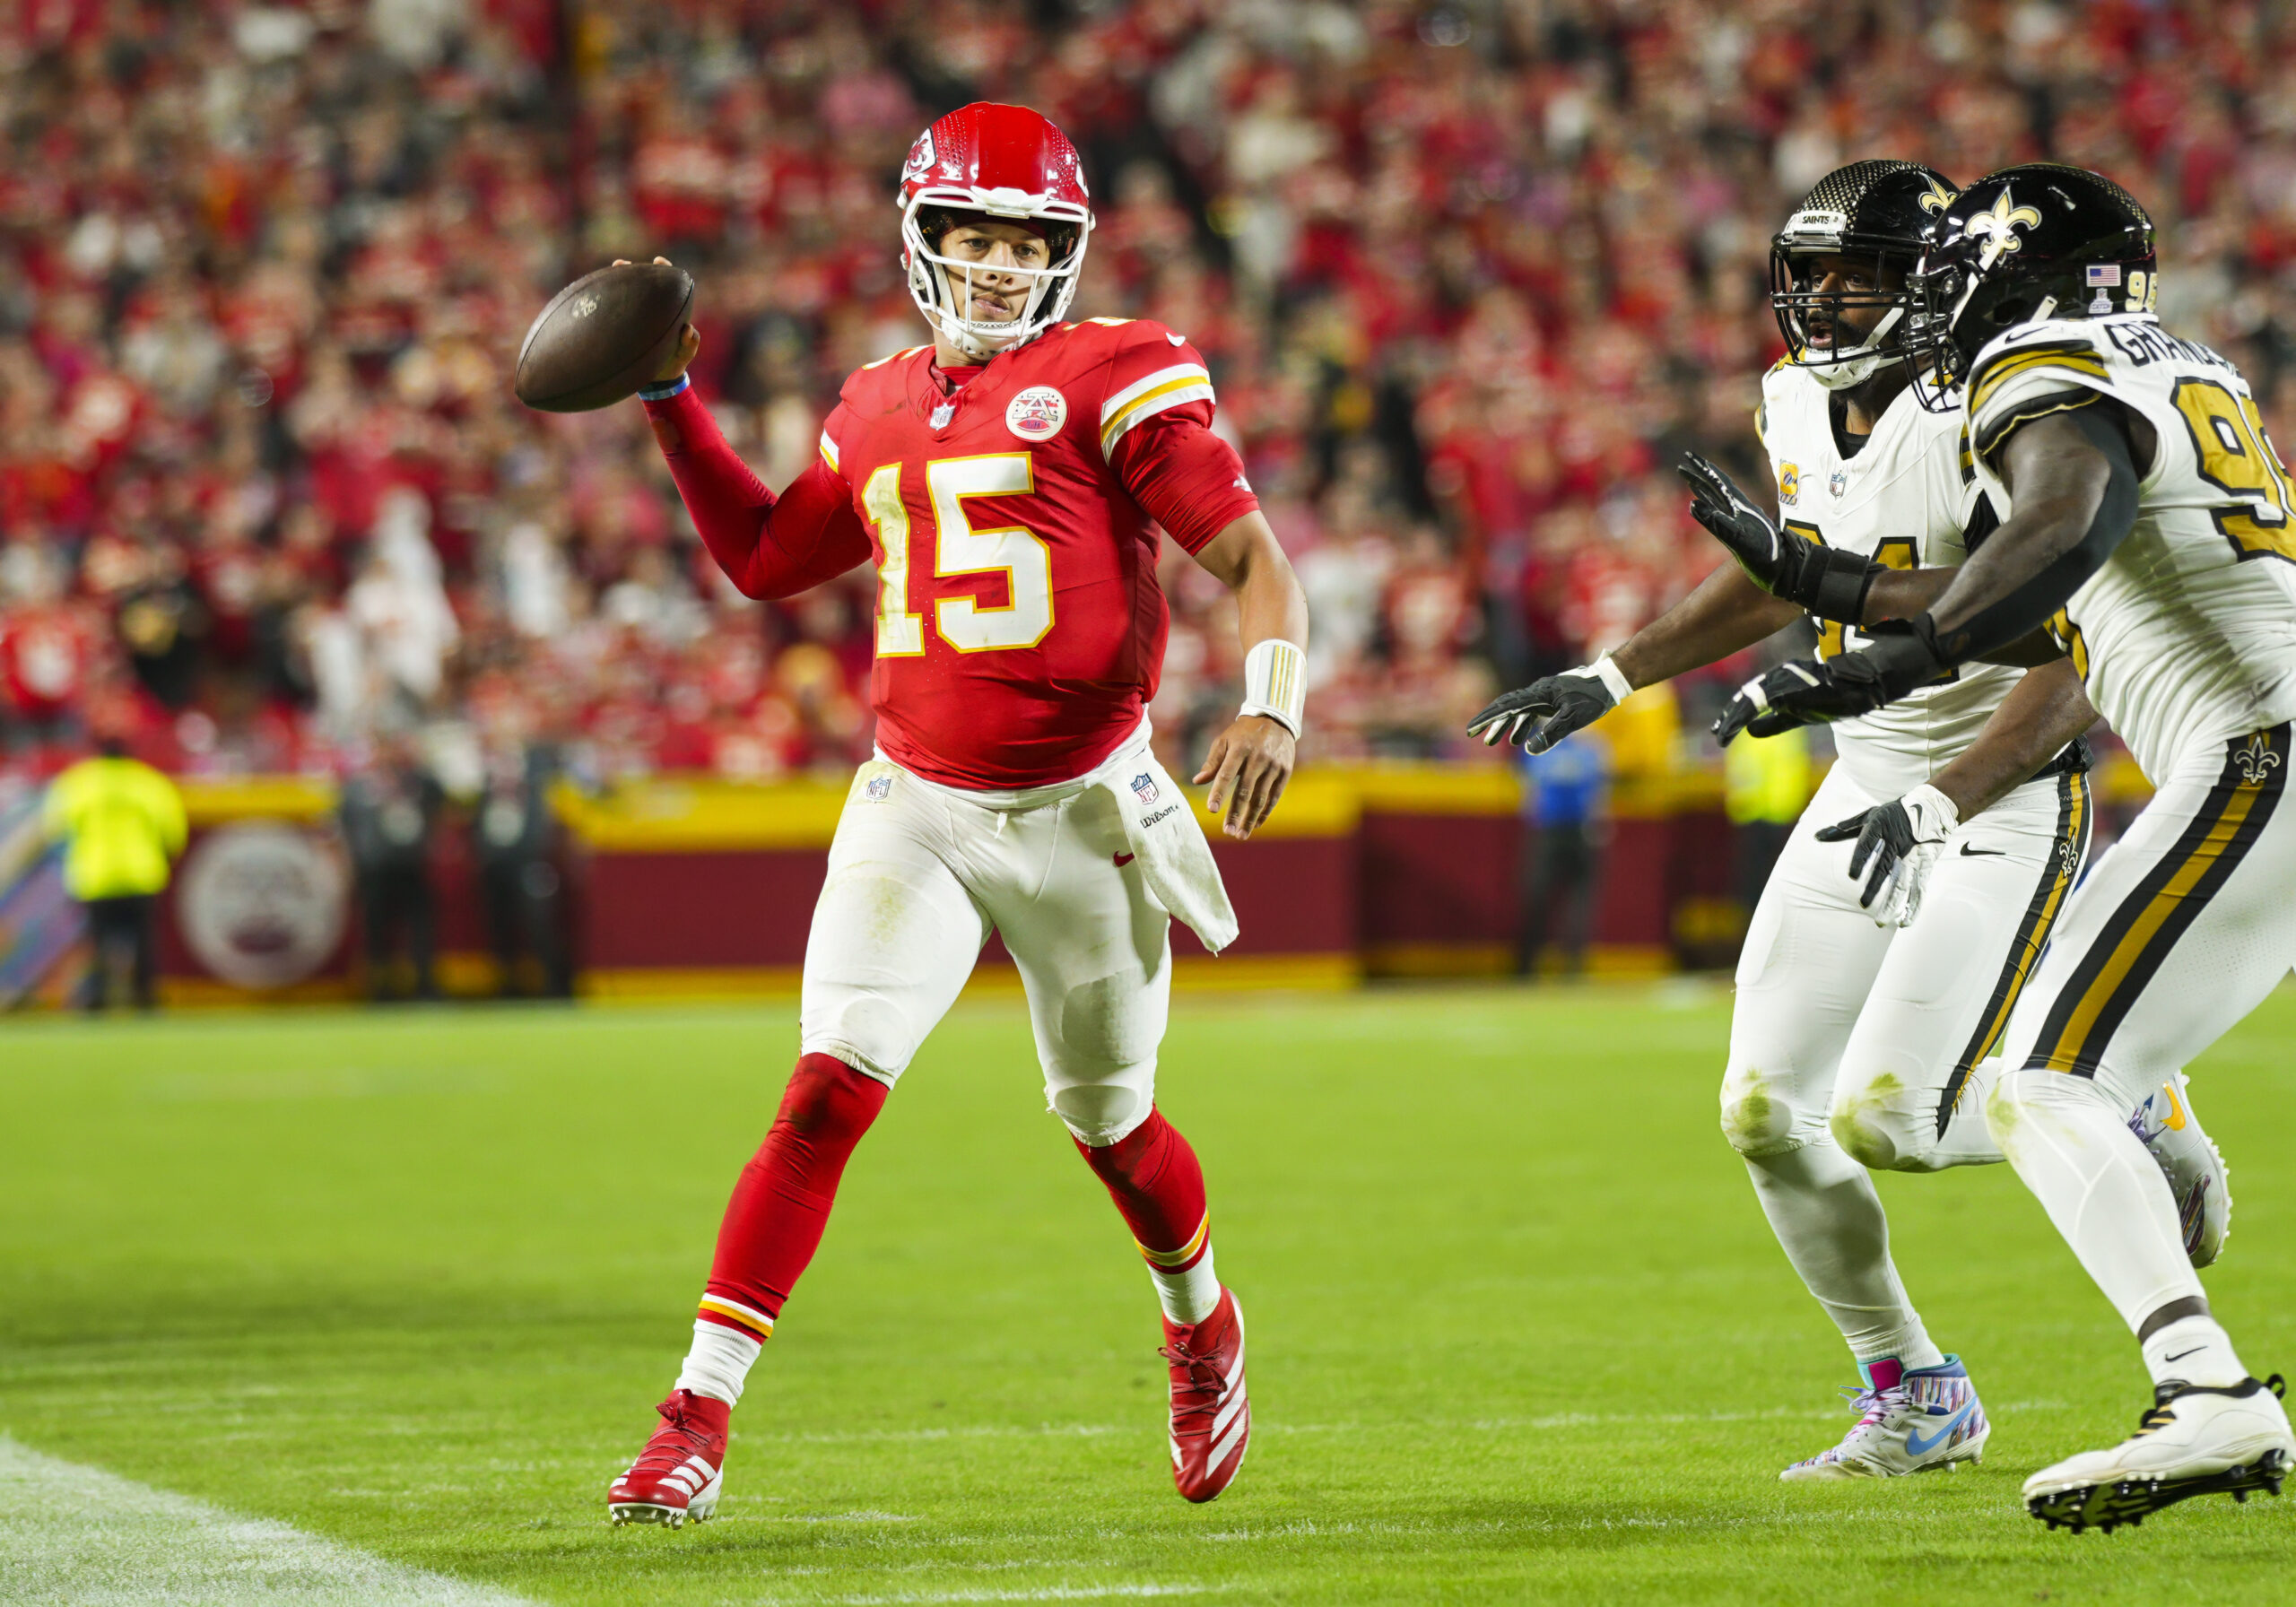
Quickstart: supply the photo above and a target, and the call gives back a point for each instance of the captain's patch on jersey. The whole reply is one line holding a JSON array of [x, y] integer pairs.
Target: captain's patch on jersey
[[1037, 413], [1790, 483]]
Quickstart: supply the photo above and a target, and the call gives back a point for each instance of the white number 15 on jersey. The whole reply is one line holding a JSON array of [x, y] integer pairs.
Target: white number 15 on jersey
[[1023, 557]]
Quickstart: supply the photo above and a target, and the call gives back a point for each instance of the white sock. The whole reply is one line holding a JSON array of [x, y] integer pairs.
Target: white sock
[[718, 1363], [2069, 1139], [1824, 1210], [1187, 1297], [2195, 1350]]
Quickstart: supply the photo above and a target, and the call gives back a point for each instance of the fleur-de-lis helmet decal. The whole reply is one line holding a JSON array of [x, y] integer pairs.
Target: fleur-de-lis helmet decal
[[2037, 241], [1937, 199], [2000, 223]]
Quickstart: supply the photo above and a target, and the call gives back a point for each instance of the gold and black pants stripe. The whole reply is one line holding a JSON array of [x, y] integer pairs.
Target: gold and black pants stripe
[[2136, 939], [2075, 822]]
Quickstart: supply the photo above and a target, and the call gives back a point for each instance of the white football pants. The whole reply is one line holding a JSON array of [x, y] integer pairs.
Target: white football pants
[[1854, 1046], [919, 875], [2179, 931]]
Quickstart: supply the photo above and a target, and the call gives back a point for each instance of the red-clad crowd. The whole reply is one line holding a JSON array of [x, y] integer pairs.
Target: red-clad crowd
[[1469, 276]]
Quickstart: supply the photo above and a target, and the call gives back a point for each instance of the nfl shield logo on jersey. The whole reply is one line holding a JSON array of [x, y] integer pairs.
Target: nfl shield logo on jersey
[[1144, 788], [1037, 413]]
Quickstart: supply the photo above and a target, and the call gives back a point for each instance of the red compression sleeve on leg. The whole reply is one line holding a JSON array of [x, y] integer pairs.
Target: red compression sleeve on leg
[[780, 1204], [1153, 1176]]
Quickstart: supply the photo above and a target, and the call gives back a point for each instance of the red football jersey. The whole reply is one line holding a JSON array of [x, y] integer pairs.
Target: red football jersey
[[1020, 627]]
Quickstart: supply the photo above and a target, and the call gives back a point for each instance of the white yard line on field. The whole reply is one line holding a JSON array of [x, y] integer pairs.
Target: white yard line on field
[[79, 1535]]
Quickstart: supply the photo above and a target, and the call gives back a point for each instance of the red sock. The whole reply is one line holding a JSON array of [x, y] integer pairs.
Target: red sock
[[773, 1223], [1154, 1179]]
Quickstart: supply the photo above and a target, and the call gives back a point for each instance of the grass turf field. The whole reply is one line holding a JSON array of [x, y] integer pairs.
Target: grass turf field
[[414, 1281]]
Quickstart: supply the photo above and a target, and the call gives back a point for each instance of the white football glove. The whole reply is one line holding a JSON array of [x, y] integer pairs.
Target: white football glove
[[1903, 838]]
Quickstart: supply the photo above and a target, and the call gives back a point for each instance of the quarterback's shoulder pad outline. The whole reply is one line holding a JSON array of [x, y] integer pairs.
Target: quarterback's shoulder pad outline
[[1150, 369]]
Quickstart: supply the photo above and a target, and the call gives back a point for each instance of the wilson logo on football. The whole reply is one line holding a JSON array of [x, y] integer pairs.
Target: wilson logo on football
[[1037, 413]]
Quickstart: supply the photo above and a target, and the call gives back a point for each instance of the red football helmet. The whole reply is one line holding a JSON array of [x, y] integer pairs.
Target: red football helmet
[[1002, 161]]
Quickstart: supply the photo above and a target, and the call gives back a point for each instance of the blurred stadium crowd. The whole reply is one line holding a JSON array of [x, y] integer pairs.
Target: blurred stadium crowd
[[1469, 275]]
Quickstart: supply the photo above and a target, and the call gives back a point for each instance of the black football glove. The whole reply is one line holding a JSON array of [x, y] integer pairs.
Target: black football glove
[[1825, 581], [1904, 839], [1542, 714], [1904, 655]]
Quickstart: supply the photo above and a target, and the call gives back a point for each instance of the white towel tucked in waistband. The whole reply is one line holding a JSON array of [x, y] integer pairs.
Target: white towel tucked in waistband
[[1175, 859]]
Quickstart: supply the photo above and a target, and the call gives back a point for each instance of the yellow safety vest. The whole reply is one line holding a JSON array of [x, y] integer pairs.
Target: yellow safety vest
[[122, 823], [1767, 778]]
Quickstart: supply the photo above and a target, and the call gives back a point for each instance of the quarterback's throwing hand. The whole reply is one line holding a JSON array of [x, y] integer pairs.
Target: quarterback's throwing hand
[[1902, 838], [1248, 767], [1542, 714]]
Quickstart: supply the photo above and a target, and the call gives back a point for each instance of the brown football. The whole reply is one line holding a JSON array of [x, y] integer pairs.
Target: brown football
[[603, 336]]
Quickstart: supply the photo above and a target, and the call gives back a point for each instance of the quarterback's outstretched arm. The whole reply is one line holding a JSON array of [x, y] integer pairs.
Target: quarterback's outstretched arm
[[769, 546], [1251, 761]]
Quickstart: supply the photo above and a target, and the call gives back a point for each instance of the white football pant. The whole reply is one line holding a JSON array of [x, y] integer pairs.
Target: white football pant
[[2179, 931], [919, 875], [1854, 1045]]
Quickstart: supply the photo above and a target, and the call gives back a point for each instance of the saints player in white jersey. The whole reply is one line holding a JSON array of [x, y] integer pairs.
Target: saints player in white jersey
[[2151, 523], [1857, 1027]]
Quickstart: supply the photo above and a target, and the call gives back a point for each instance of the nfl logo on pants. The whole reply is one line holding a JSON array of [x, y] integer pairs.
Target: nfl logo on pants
[[1144, 788]]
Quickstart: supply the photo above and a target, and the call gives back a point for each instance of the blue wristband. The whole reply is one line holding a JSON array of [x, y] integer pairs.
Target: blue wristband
[[663, 393]]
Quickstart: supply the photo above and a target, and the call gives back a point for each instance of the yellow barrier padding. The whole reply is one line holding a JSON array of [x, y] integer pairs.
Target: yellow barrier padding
[[214, 800]]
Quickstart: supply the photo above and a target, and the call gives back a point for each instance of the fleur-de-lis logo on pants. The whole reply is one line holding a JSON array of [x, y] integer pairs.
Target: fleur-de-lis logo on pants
[[2001, 222], [2256, 760]]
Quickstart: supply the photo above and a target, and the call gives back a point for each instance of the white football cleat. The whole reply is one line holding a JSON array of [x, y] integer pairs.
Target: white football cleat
[[1908, 1422], [2189, 1158], [2195, 1441]]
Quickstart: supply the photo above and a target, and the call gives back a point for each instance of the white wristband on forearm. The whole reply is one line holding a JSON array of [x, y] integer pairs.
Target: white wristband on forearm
[[1276, 683], [1612, 678]]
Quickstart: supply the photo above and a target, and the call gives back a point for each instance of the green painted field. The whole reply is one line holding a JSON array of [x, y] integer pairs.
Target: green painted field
[[414, 1281]]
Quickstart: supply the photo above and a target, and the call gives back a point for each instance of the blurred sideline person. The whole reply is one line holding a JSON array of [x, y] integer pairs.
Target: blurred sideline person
[[1904, 915], [388, 812], [2150, 539], [122, 823], [1765, 786], [514, 838], [1004, 479], [1566, 798]]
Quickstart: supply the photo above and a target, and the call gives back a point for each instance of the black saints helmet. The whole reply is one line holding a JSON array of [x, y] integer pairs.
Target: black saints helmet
[[1875, 214], [2039, 240]]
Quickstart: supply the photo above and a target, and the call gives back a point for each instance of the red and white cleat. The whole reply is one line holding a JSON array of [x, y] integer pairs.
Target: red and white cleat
[[679, 1473], [1212, 1416]]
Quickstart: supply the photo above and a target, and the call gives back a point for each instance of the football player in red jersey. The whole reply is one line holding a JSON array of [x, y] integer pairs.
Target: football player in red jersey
[[1008, 480]]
